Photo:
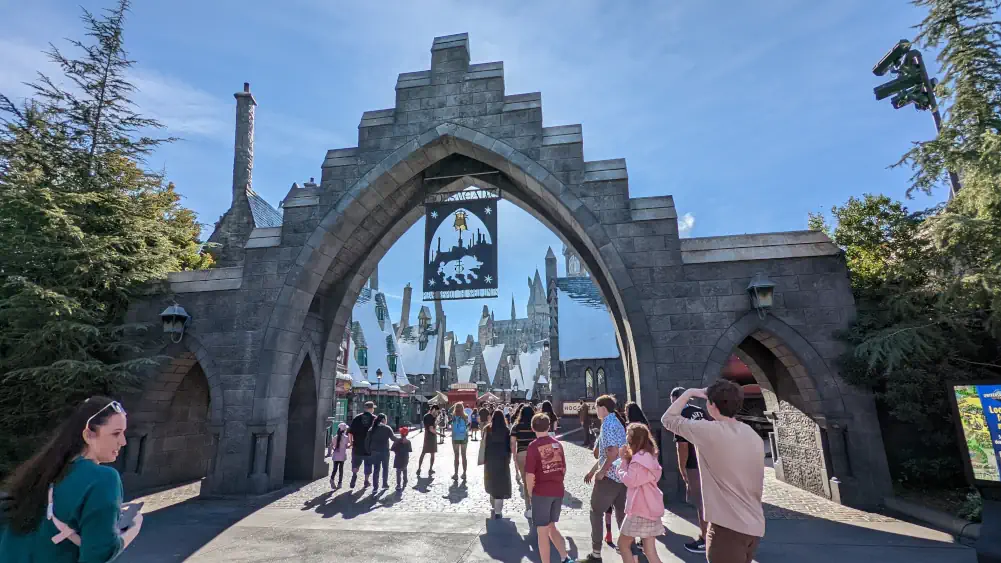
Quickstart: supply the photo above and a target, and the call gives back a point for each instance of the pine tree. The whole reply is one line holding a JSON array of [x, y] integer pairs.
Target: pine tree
[[82, 226], [928, 284]]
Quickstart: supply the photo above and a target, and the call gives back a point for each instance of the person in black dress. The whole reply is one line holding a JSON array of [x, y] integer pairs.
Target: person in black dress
[[497, 467], [430, 440]]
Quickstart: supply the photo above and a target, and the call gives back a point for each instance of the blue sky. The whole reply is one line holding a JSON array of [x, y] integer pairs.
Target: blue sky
[[750, 113]]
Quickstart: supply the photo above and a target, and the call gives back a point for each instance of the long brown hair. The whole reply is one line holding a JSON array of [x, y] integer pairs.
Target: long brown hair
[[459, 410], [28, 486], [639, 440]]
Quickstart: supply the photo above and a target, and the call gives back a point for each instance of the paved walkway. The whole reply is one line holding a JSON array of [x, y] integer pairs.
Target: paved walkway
[[436, 520]]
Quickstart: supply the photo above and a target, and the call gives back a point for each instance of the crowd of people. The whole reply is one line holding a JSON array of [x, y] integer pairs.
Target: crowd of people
[[65, 503], [719, 460]]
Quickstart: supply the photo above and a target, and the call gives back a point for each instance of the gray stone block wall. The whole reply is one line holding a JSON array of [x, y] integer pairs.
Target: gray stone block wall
[[679, 320]]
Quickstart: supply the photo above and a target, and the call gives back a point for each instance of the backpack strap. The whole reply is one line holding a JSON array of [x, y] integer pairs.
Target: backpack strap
[[65, 532]]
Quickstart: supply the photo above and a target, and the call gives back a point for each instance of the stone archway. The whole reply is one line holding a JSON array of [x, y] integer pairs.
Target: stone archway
[[175, 422], [301, 434], [370, 216], [822, 439]]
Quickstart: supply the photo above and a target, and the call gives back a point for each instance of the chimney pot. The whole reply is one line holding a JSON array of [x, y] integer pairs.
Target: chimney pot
[[311, 180], [246, 86]]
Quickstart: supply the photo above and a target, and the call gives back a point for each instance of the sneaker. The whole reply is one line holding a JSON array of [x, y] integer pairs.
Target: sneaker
[[592, 558], [463, 476], [430, 472], [569, 560], [608, 540], [497, 516], [455, 476], [697, 546], [354, 479]]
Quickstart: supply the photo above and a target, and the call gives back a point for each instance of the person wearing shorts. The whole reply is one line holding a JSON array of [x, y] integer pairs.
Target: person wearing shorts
[[460, 437], [545, 469], [689, 468]]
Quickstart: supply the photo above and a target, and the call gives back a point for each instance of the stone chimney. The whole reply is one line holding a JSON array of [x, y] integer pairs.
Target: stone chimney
[[405, 309], [233, 229], [373, 280], [243, 149]]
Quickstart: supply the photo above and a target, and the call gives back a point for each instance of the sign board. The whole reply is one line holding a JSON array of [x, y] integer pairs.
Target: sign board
[[460, 247], [977, 413], [574, 408]]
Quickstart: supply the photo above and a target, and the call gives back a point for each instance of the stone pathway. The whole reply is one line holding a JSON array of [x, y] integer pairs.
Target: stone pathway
[[441, 494], [436, 520]]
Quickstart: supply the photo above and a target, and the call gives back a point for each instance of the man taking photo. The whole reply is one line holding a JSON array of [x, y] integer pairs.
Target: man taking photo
[[731, 467]]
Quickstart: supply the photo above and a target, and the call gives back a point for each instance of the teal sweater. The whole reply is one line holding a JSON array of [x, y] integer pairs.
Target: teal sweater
[[89, 500]]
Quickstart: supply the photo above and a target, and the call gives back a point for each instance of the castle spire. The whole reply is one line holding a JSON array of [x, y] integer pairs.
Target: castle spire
[[514, 315]]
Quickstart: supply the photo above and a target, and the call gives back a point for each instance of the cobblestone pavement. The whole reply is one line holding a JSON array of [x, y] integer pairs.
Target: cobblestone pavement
[[442, 494]]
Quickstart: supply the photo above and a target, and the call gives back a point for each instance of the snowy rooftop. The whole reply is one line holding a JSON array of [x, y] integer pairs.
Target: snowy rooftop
[[517, 378], [418, 361], [491, 357], [464, 372], [529, 366], [586, 329], [365, 330]]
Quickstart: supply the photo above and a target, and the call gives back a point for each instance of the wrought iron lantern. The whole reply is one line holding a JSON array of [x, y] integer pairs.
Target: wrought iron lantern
[[175, 318], [762, 292]]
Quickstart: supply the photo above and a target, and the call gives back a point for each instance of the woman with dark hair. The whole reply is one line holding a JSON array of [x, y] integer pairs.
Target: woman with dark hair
[[379, 438], [521, 436], [497, 465], [635, 414], [547, 409], [64, 505]]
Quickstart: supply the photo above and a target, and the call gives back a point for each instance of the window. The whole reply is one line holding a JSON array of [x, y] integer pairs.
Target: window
[[588, 383], [390, 346], [602, 386]]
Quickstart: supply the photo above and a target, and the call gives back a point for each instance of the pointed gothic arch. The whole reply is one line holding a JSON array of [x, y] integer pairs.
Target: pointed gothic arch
[[392, 192]]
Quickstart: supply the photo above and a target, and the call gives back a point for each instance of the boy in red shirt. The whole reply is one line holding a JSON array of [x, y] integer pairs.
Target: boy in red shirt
[[545, 468]]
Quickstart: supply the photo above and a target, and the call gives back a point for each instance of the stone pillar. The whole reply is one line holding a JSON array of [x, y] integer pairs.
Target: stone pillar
[[243, 148], [552, 293]]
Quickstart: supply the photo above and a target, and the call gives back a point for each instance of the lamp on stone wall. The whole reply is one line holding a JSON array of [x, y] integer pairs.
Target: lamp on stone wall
[[762, 292], [175, 318]]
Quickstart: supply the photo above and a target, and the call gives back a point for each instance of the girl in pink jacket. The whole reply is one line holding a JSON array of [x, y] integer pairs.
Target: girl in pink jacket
[[640, 472]]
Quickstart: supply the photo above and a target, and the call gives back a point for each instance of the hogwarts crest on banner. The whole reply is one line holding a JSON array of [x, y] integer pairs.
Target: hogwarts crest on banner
[[460, 246]]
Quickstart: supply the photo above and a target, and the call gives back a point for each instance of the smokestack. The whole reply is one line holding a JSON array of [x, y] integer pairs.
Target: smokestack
[[243, 147], [405, 310]]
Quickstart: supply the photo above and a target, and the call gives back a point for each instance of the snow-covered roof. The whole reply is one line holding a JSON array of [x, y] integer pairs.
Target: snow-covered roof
[[586, 328], [517, 378], [366, 330], [491, 357], [464, 372], [418, 361], [530, 366]]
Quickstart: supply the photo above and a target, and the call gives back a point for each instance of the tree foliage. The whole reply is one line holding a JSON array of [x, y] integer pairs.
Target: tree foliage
[[928, 284], [82, 227]]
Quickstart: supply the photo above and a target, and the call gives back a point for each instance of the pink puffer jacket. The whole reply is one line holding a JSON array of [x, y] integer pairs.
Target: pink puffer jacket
[[643, 496]]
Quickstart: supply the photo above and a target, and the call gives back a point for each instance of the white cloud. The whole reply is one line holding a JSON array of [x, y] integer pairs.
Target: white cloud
[[183, 108], [685, 224]]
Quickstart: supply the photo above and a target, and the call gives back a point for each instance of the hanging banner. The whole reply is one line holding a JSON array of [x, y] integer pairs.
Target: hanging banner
[[460, 246]]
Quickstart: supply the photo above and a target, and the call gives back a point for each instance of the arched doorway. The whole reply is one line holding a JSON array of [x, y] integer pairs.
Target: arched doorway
[[819, 440], [386, 201], [301, 442], [172, 435]]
